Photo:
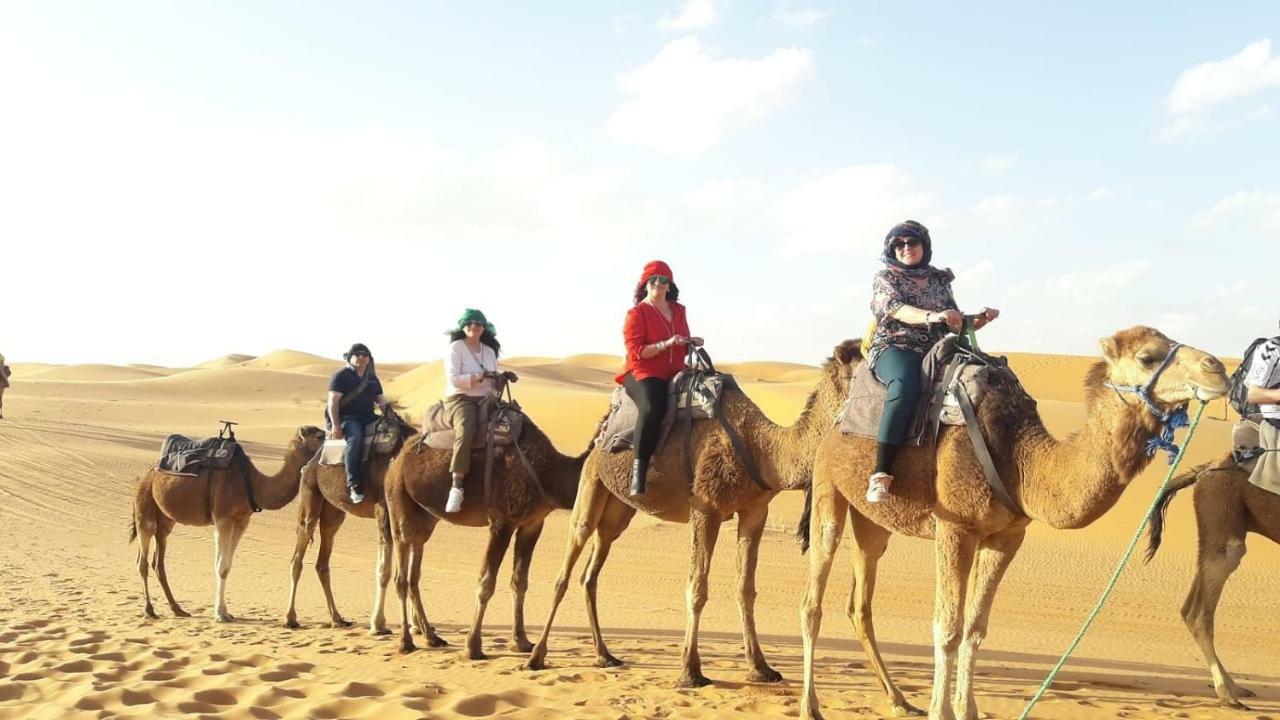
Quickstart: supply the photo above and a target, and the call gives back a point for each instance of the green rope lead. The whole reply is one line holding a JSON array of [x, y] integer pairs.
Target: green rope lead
[[1124, 560]]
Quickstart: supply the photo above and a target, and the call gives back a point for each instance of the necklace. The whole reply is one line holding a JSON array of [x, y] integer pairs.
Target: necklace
[[478, 358]]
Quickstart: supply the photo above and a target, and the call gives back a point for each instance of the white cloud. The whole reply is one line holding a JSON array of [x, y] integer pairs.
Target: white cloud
[[997, 164], [1249, 71], [1202, 87], [849, 209], [685, 100], [1254, 210], [693, 14], [996, 212], [799, 17]]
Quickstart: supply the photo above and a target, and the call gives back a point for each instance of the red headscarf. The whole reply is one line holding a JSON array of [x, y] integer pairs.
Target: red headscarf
[[656, 267]]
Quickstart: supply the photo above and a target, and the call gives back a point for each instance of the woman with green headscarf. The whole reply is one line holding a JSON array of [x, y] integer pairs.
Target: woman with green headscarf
[[468, 379]]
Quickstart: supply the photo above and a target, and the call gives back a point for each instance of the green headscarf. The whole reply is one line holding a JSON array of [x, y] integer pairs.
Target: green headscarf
[[473, 315]]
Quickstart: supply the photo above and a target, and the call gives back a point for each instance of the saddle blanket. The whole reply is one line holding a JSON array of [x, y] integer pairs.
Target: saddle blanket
[[1266, 471], [181, 455]]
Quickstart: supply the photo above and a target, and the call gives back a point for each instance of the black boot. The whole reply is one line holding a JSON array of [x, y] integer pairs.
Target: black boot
[[639, 468]]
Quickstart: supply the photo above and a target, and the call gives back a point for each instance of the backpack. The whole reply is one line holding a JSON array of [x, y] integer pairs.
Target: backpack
[[1238, 396]]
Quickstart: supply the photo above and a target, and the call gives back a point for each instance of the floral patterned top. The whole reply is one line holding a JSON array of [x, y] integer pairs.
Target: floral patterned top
[[894, 288]]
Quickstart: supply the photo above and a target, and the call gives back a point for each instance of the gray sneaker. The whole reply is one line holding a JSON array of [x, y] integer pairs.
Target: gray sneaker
[[357, 497]]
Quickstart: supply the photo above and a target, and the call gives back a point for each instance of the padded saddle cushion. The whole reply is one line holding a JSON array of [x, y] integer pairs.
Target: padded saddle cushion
[[181, 454]]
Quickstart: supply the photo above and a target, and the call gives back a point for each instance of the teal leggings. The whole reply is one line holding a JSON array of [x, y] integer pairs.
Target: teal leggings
[[899, 370]]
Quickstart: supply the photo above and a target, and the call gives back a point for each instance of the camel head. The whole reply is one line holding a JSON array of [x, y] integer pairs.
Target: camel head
[[309, 438], [1131, 357], [839, 367]]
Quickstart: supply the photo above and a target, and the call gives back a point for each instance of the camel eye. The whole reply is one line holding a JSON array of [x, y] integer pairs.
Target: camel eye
[[1146, 359]]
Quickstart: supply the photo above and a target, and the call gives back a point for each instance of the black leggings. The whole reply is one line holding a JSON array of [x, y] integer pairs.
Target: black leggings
[[650, 397]]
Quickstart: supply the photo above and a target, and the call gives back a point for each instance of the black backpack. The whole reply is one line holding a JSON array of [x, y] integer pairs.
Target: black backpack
[[1239, 394]]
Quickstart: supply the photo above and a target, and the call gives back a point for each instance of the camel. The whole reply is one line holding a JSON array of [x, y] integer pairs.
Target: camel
[[417, 486], [1228, 507], [215, 497], [940, 493], [323, 502], [721, 487]]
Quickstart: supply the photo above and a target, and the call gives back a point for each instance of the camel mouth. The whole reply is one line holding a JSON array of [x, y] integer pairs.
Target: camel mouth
[[1205, 395]]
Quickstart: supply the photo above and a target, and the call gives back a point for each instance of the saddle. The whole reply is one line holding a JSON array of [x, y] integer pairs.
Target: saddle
[[695, 394], [181, 455], [381, 437], [945, 366], [1256, 450], [501, 422]]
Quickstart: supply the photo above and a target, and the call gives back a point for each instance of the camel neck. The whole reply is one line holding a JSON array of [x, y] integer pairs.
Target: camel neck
[[275, 491], [1071, 483], [786, 454]]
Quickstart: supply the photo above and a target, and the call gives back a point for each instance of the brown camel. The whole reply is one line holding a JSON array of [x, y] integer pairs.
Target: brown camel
[[323, 502], [215, 497], [1228, 507], [721, 487], [939, 492], [417, 487]]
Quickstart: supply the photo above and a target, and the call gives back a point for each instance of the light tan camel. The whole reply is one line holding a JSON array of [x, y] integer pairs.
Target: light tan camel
[[417, 486], [721, 488], [215, 497], [940, 493], [1228, 507], [324, 503]]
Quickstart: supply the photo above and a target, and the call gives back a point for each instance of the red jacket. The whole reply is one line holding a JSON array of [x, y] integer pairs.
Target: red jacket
[[646, 326]]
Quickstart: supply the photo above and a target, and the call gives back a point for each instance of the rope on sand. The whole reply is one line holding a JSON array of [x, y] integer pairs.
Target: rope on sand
[[1115, 576]]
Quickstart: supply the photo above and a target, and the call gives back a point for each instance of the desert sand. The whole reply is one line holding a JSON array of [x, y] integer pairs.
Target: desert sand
[[74, 642]]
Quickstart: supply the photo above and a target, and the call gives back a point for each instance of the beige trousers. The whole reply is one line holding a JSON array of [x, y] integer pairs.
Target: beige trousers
[[464, 415]]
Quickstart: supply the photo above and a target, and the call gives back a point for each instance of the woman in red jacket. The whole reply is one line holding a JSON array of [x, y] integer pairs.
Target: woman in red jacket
[[656, 333]]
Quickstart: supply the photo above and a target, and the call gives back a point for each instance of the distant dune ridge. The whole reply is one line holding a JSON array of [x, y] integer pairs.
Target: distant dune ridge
[[74, 643]]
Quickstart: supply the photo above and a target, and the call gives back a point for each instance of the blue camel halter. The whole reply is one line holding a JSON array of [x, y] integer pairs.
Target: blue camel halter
[[1171, 419]]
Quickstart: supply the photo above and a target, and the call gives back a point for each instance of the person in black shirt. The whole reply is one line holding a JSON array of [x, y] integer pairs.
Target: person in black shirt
[[353, 392]]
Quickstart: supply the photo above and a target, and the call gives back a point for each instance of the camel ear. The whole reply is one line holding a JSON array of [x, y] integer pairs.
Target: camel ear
[[847, 352], [1110, 350]]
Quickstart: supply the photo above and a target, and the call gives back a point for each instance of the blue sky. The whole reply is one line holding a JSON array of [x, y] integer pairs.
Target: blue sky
[[343, 172]]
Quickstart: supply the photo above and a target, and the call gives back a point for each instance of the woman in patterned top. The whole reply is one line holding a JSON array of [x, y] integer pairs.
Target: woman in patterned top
[[914, 308]]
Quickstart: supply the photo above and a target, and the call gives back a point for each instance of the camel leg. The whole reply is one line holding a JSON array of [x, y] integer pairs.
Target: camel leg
[[751, 522], [587, 508], [309, 502], [226, 536], [381, 572], [869, 543], [145, 529], [410, 528], [164, 526], [954, 550], [614, 519], [526, 541], [993, 558], [1214, 564], [420, 624], [706, 529], [331, 519], [826, 524], [499, 541]]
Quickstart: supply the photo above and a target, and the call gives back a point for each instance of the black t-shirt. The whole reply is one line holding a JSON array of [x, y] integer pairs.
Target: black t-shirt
[[346, 381]]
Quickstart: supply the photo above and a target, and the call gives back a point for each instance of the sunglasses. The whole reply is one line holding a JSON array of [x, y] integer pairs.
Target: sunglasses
[[473, 323], [906, 242], [359, 353], [659, 280]]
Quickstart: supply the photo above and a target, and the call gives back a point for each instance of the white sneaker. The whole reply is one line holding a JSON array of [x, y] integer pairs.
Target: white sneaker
[[878, 487], [454, 503]]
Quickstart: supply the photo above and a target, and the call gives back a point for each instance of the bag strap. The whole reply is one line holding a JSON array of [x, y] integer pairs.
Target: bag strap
[[738, 447], [350, 397]]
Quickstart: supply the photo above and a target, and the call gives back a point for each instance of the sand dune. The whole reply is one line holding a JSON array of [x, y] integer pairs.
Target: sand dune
[[73, 642], [226, 361]]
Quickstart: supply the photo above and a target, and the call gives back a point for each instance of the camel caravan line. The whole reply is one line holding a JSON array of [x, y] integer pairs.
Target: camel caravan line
[[972, 484]]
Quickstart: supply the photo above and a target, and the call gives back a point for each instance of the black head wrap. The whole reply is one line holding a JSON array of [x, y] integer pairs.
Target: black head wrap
[[908, 229]]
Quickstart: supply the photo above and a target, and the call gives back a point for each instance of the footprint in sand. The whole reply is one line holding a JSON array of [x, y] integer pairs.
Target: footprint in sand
[[360, 690], [12, 691], [75, 666]]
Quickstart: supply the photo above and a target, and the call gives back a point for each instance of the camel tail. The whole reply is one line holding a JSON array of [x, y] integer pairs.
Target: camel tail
[[133, 526], [1156, 531], [802, 529]]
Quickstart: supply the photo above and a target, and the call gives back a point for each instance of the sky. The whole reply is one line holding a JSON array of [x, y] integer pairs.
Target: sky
[[180, 181]]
